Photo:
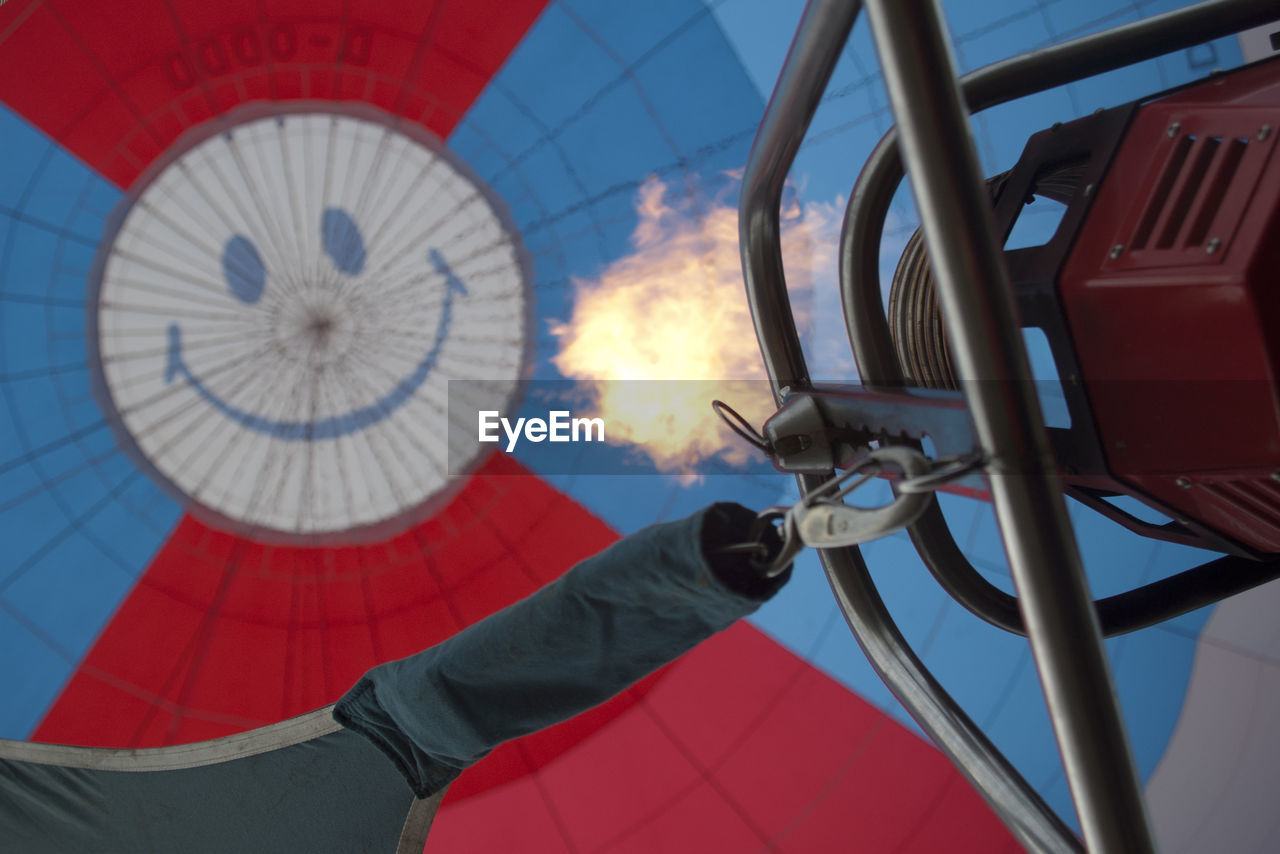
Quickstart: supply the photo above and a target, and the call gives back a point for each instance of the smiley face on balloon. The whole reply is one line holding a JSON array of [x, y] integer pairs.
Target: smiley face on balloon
[[312, 282]]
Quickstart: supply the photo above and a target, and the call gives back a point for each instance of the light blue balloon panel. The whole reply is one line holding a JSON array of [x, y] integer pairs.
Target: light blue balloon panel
[[78, 521]]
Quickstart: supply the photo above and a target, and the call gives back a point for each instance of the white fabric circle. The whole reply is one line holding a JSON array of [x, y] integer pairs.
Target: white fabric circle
[[280, 311]]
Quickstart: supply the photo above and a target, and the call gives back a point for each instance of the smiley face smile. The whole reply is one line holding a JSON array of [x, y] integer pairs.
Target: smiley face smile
[[246, 279]]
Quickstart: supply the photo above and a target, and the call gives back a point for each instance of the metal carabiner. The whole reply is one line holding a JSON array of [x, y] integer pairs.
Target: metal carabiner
[[769, 564], [824, 521], [768, 557]]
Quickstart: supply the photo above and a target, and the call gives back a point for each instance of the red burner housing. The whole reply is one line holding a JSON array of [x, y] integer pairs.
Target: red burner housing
[[1171, 292]]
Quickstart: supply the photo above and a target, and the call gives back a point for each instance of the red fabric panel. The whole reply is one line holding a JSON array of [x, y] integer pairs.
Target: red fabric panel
[[740, 747], [117, 83]]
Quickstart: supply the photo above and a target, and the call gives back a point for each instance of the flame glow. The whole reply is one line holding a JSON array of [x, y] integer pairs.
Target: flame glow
[[665, 329]]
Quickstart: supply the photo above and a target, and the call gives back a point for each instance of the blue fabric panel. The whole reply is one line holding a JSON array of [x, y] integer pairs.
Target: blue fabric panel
[[78, 520]]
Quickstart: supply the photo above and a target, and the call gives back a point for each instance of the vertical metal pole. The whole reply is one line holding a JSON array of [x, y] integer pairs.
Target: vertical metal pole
[[819, 39], [978, 307]]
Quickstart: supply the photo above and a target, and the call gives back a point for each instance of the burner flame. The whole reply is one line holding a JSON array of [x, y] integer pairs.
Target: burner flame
[[666, 328]]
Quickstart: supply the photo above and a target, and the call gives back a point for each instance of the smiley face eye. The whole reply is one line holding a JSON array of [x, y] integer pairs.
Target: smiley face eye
[[342, 241], [243, 270]]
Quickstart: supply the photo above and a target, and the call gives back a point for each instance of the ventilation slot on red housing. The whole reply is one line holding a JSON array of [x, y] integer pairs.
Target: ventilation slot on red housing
[[1213, 191], [1160, 195], [1189, 194]]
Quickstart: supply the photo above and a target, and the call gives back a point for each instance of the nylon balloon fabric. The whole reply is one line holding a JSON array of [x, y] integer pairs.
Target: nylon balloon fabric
[[251, 252]]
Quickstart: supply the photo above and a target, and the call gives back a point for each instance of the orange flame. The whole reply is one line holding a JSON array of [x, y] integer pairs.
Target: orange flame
[[665, 329]]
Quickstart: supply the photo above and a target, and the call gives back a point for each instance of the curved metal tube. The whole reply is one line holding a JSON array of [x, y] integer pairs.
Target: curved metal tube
[[819, 39], [1120, 614], [821, 35], [868, 327], [990, 86], [1030, 819]]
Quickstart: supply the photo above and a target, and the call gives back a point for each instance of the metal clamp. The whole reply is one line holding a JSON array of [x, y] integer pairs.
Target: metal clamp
[[822, 520]]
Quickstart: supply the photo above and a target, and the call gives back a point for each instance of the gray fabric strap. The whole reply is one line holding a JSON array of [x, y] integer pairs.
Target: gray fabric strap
[[331, 792], [606, 623]]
